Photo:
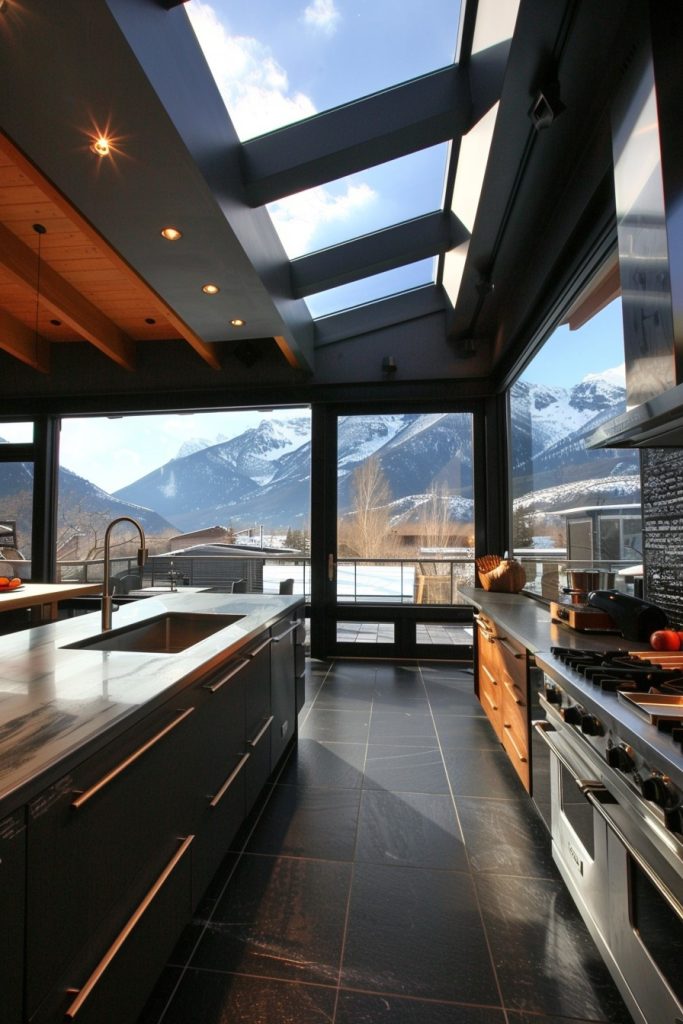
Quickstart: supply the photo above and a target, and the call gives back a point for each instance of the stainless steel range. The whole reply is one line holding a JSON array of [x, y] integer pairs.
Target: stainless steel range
[[613, 726]]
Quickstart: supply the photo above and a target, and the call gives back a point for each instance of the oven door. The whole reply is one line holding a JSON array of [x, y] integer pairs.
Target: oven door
[[645, 916], [579, 832]]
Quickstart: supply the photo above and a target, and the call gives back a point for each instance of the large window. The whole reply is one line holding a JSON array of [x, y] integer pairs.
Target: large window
[[223, 498], [16, 499], [405, 525], [570, 503]]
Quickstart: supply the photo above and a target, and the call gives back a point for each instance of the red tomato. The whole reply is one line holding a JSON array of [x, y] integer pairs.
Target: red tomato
[[665, 640]]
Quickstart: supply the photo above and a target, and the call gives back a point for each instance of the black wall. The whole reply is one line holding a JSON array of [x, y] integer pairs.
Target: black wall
[[662, 502]]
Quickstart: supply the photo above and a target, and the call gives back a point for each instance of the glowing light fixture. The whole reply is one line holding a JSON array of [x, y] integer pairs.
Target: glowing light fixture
[[101, 146], [210, 289], [171, 234], [237, 322]]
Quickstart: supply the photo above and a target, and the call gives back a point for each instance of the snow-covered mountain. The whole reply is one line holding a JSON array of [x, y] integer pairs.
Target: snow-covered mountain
[[263, 475]]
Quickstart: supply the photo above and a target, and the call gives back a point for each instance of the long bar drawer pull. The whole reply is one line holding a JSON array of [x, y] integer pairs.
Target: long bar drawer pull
[[127, 929], [510, 687], [215, 800], [83, 798], [508, 647], [281, 636], [544, 730], [264, 728], [489, 675], [215, 687], [520, 754], [494, 706], [257, 650]]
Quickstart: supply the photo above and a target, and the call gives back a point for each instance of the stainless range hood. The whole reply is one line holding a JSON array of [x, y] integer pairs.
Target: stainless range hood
[[648, 176]]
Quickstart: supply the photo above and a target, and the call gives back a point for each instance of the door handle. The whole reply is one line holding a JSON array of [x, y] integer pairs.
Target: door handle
[[331, 568]]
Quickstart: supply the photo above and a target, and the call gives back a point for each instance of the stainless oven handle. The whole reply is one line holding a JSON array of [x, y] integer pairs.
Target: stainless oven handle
[[642, 863], [543, 728]]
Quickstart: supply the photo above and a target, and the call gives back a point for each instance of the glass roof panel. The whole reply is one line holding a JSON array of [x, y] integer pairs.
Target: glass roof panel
[[276, 62], [379, 286], [361, 203]]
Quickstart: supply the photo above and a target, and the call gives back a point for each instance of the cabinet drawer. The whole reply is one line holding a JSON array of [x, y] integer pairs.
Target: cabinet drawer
[[99, 836], [516, 744], [112, 981]]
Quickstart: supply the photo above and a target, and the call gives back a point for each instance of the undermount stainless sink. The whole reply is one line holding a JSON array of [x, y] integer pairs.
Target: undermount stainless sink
[[169, 633]]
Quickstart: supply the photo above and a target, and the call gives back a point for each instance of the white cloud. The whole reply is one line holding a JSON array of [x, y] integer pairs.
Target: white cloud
[[253, 85], [322, 15], [298, 218]]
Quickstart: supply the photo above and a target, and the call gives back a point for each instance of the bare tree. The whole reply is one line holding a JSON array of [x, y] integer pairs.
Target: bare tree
[[366, 532]]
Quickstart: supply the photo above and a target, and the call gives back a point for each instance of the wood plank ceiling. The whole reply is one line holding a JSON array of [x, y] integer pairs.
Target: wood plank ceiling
[[66, 284]]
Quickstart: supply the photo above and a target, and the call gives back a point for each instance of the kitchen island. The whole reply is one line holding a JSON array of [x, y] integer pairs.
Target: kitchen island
[[124, 775]]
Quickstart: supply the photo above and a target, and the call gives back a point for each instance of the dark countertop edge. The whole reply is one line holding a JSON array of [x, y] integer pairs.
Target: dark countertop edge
[[14, 797]]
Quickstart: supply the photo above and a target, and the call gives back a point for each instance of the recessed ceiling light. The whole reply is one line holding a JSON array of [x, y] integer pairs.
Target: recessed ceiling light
[[171, 234], [150, 320], [237, 322], [56, 323], [101, 146], [210, 289]]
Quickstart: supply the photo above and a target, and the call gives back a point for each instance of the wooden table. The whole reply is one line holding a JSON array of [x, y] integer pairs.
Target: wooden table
[[43, 598]]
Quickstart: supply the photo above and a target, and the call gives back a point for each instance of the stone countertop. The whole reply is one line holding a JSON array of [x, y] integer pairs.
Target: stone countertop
[[528, 621], [55, 701]]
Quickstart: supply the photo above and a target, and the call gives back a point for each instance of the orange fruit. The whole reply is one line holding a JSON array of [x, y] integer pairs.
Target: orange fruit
[[4, 581], [15, 582]]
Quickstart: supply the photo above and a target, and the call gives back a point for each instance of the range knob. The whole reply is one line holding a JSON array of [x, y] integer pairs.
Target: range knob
[[573, 714], [620, 757], [552, 694], [591, 725], [660, 791]]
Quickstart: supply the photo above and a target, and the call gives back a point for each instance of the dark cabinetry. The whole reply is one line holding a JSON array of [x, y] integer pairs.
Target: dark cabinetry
[[283, 685], [12, 889], [114, 855]]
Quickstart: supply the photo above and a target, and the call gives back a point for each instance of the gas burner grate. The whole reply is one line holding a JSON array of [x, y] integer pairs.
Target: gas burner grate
[[619, 670]]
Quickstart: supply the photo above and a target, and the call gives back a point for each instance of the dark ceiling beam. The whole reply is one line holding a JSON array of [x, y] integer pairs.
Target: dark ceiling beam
[[370, 131], [169, 4], [413, 240], [377, 316]]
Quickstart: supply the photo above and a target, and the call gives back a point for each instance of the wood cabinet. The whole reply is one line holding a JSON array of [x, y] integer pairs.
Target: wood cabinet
[[12, 910], [115, 855], [503, 690]]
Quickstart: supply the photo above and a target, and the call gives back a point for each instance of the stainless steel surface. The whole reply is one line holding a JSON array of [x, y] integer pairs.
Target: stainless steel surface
[[648, 187], [142, 555], [54, 699], [655, 707], [628, 828], [169, 633]]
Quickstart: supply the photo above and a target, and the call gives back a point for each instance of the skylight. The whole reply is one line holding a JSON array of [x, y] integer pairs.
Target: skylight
[[361, 203], [277, 63], [370, 289]]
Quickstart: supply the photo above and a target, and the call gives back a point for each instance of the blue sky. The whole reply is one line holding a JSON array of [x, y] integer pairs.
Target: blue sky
[[568, 356], [277, 62]]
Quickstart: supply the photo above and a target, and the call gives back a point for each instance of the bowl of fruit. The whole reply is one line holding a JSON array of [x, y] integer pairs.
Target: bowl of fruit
[[10, 582]]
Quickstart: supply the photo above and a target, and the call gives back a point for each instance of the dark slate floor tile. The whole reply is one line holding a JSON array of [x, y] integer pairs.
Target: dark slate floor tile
[[506, 836], [279, 917], [359, 1008], [410, 726], [453, 698], [413, 931], [418, 829], [308, 822], [484, 773], [545, 958], [465, 731], [408, 769], [335, 725], [528, 1018], [205, 997], [401, 679], [347, 695], [160, 996], [325, 765]]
